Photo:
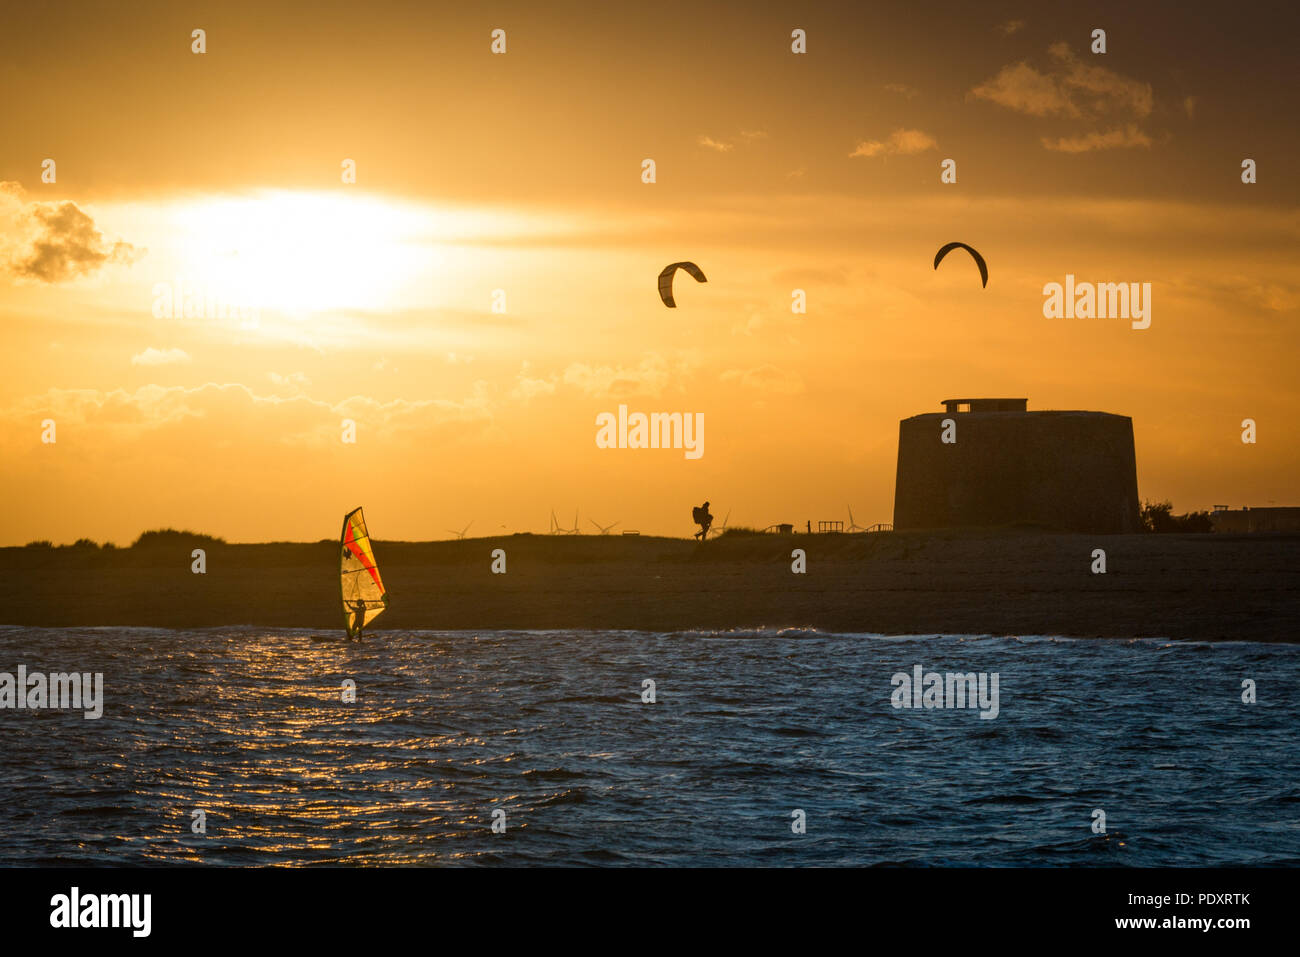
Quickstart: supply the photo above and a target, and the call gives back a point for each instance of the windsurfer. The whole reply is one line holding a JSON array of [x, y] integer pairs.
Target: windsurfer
[[359, 618]]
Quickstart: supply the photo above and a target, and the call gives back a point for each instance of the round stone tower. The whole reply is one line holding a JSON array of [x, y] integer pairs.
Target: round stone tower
[[989, 462]]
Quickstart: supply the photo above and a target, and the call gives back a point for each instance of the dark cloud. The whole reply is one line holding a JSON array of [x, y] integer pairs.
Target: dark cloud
[[59, 242]]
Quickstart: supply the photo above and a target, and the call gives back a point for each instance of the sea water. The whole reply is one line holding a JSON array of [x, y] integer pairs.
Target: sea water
[[776, 748]]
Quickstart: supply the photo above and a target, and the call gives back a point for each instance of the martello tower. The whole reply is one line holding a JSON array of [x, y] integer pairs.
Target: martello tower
[[1004, 465]]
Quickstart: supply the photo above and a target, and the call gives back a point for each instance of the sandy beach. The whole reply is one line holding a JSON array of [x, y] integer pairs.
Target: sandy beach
[[1217, 587]]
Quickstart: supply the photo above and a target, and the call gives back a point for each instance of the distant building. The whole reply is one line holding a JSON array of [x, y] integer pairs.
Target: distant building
[[1074, 471], [1281, 519]]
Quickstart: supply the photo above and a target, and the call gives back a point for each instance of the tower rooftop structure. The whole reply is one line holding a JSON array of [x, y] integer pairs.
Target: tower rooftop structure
[[985, 405], [988, 462]]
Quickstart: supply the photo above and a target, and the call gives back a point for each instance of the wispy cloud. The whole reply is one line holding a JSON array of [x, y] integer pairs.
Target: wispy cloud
[[294, 380], [708, 142], [836, 275], [1021, 88], [295, 420], [649, 377], [528, 386], [1068, 87], [159, 357], [1112, 139], [1008, 27], [767, 379], [900, 142], [902, 89], [744, 137]]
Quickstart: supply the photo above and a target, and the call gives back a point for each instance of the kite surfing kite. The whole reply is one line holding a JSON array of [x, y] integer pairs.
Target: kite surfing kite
[[979, 260], [666, 280]]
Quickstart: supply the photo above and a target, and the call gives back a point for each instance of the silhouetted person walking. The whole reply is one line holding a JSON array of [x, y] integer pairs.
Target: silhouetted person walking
[[703, 519]]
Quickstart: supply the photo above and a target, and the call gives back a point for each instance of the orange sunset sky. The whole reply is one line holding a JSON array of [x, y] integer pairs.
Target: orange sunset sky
[[522, 172]]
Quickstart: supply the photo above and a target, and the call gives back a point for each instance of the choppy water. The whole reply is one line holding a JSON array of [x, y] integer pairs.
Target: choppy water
[[248, 727]]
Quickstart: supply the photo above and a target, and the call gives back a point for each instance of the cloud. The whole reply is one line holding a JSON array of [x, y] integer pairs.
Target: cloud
[[1068, 87], [746, 137], [1021, 88], [528, 387], [1113, 139], [207, 415], [294, 380], [902, 90], [1111, 92], [649, 377], [1236, 292], [767, 379], [805, 275], [159, 357], [53, 242], [1189, 106], [709, 142], [751, 326], [901, 142], [1008, 27]]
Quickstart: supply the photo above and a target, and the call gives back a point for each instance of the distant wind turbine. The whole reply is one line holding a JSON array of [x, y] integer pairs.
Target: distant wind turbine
[[854, 526], [604, 529], [558, 529], [461, 533], [723, 527]]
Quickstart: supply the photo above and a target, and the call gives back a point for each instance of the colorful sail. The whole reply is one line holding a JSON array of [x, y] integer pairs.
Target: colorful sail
[[359, 579]]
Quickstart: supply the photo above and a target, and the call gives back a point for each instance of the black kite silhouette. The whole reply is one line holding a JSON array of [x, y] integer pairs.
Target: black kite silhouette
[[979, 260], [666, 280]]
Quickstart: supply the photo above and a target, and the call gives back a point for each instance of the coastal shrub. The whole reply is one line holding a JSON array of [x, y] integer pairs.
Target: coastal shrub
[[42, 543], [1159, 517], [85, 543], [172, 537]]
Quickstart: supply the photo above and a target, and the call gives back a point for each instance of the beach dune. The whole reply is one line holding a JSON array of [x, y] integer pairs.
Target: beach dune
[[997, 581]]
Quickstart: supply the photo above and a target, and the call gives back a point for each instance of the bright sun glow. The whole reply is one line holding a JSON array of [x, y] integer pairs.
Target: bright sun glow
[[297, 253], [324, 269]]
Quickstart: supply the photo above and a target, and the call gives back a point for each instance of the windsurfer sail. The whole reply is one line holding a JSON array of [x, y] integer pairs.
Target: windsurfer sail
[[360, 587]]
